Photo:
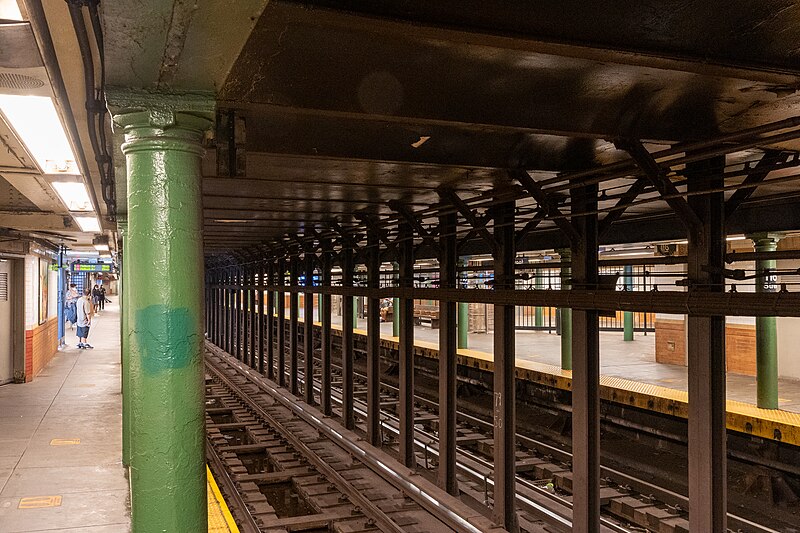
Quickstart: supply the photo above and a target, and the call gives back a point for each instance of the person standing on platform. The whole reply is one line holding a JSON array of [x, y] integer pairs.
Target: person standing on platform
[[70, 311], [96, 297], [85, 312], [102, 299]]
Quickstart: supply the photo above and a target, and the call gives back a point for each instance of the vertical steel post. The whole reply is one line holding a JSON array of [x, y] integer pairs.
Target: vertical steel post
[[373, 342], [253, 316], [396, 306], [325, 336], [308, 331], [271, 334], [281, 359], [348, 320], [627, 316], [504, 376], [245, 281], [262, 271], [585, 369], [766, 326], [238, 312], [294, 313], [566, 313], [404, 311], [706, 353], [162, 151], [448, 367]]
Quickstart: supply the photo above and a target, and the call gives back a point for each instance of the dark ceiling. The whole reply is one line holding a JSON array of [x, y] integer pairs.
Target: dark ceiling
[[349, 105]]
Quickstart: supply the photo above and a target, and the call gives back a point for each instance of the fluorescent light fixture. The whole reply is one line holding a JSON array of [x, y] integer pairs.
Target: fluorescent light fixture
[[36, 122], [101, 247], [737, 238], [88, 224], [73, 194], [9, 10]]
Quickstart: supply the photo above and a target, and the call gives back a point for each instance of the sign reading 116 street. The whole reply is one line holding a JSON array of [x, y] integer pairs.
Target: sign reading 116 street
[[100, 267]]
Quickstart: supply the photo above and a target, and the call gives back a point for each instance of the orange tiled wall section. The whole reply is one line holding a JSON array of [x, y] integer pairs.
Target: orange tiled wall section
[[41, 344], [740, 345]]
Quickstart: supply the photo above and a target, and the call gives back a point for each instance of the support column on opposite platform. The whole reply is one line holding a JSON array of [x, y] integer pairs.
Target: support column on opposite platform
[[566, 313], [348, 322], [504, 372], [396, 306], [308, 332], [627, 316], [766, 326], [373, 343], [404, 311], [538, 319], [251, 360], [163, 149], [585, 367], [706, 351], [237, 301], [463, 312], [294, 314]]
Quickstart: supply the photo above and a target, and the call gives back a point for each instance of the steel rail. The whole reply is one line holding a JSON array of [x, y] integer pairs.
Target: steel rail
[[426, 500]]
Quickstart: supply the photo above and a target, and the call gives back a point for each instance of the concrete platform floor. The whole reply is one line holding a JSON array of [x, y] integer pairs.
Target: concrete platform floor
[[49, 481], [634, 360]]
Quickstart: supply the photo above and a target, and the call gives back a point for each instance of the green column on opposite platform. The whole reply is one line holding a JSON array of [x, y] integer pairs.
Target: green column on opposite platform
[[539, 311], [162, 148], [566, 313], [766, 326], [462, 321], [627, 316]]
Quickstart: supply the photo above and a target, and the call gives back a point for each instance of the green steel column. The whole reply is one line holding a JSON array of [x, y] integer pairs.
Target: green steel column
[[539, 312], [627, 316], [122, 225], [766, 327], [566, 314], [319, 307], [462, 321], [163, 150], [396, 306]]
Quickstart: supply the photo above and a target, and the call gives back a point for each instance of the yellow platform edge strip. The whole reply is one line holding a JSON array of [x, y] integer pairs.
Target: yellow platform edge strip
[[223, 507]]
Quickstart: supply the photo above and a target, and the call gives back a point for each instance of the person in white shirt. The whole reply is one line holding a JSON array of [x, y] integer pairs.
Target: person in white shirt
[[85, 311]]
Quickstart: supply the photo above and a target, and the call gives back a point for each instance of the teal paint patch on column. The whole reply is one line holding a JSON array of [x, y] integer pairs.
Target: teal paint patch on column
[[161, 337]]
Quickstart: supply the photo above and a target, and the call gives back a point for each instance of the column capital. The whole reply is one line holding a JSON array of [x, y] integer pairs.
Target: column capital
[[149, 118], [766, 240]]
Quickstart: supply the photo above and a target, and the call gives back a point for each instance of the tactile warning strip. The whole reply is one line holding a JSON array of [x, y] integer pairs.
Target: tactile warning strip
[[219, 516]]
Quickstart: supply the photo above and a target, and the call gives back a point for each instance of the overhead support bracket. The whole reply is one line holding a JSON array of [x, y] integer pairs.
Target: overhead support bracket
[[658, 178], [345, 236], [408, 216], [622, 204], [771, 160], [529, 226], [478, 223], [545, 203]]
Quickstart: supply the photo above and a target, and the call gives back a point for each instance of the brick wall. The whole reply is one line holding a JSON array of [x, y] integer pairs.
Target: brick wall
[[740, 345], [41, 344]]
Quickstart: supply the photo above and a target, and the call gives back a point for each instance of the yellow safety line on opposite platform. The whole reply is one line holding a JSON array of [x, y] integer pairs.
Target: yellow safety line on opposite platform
[[772, 424], [220, 519]]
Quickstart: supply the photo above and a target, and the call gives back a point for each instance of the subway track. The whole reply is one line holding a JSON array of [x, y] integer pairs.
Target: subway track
[[544, 481], [280, 471]]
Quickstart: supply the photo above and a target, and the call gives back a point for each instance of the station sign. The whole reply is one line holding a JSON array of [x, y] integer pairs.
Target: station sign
[[84, 267]]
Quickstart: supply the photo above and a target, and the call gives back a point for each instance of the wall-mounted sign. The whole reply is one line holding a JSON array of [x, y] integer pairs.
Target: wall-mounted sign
[[82, 267]]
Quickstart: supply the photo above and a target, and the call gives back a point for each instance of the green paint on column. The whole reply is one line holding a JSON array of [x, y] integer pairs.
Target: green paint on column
[[125, 345], [319, 308], [463, 326], [163, 151], [566, 314], [538, 319], [355, 312], [395, 317], [627, 316], [766, 327]]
